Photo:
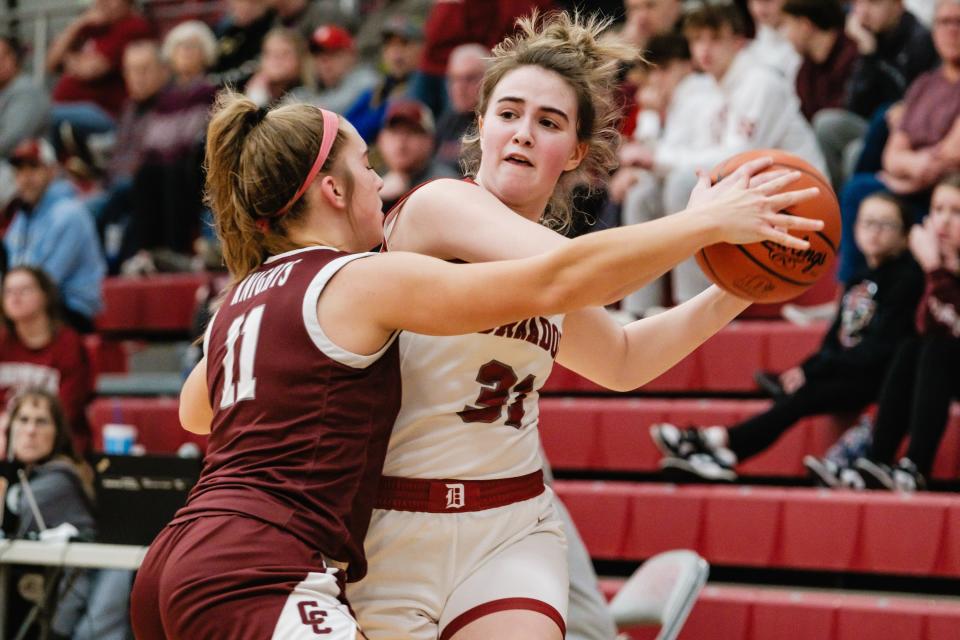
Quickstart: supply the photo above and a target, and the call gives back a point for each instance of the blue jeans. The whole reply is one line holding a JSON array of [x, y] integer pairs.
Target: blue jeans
[[84, 117]]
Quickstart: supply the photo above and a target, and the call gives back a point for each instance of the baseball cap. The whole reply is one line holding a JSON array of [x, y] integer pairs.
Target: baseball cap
[[36, 151], [402, 27], [330, 37], [411, 112]]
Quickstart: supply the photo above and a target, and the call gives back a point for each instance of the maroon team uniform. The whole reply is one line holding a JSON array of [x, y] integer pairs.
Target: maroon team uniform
[[297, 444]]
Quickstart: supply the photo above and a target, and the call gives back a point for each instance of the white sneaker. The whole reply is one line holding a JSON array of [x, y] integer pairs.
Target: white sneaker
[[702, 465], [851, 479]]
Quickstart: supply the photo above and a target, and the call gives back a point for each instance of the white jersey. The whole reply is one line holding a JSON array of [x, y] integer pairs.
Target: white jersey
[[470, 407]]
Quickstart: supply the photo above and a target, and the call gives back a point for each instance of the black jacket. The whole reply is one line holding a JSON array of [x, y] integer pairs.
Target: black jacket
[[882, 77]]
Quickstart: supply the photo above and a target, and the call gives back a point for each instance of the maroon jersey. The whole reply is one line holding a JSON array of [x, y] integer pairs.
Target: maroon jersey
[[61, 367], [300, 425]]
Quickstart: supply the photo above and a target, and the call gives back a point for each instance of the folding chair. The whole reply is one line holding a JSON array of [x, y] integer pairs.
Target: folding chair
[[662, 592]]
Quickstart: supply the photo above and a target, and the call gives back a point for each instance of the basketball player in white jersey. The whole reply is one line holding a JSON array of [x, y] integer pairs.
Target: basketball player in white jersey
[[300, 383], [465, 543]]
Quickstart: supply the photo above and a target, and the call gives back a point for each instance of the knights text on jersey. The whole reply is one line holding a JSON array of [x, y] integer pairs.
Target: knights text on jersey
[[300, 425]]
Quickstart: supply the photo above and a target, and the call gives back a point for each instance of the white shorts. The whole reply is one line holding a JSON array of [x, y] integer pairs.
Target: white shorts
[[314, 609], [431, 574]]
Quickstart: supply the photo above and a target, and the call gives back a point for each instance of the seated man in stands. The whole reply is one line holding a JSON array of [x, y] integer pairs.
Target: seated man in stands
[[924, 142], [815, 28], [24, 108], [844, 375], [53, 231], [464, 75], [758, 109], [339, 75], [402, 45], [406, 146], [89, 51]]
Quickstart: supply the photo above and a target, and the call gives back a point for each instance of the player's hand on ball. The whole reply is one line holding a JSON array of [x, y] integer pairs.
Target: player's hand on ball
[[746, 205]]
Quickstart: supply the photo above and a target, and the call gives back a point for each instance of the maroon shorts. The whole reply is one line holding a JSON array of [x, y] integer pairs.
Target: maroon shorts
[[230, 576]]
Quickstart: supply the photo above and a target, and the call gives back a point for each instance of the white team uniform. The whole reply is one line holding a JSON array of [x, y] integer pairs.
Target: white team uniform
[[469, 412]]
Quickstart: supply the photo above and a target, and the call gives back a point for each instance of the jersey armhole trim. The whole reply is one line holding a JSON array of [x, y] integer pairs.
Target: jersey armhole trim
[[206, 334], [312, 323]]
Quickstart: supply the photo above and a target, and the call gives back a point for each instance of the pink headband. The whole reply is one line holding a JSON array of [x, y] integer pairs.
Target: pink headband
[[331, 124]]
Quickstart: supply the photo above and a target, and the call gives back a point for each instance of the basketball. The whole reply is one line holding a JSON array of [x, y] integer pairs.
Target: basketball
[[767, 271]]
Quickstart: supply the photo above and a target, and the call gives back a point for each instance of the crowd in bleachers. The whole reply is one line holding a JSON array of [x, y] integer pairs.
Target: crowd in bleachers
[[100, 175], [102, 170]]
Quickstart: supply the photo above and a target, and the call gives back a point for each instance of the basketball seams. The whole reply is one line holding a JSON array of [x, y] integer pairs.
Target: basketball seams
[[766, 268], [728, 270]]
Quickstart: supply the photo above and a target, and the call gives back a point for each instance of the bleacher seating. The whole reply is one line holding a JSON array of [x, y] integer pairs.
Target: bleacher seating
[[156, 420], [611, 434], [865, 532], [159, 304], [594, 433], [724, 363], [726, 612]]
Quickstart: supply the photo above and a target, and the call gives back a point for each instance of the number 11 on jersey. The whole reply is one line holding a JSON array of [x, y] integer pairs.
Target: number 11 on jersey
[[246, 329]]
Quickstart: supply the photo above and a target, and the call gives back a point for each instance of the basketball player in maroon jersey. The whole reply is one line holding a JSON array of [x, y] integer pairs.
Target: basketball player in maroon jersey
[[300, 382]]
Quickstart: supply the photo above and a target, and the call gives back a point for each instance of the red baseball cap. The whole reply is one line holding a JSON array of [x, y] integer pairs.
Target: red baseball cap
[[411, 112], [330, 37], [35, 151]]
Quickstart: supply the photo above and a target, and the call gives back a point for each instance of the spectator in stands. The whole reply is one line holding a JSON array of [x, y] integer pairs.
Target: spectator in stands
[[925, 374], [38, 350], [145, 75], [306, 16], [89, 52], [845, 374], [24, 106], [89, 605], [924, 143], [451, 24], [190, 51], [53, 231], [644, 19], [338, 76], [815, 29], [675, 117], [894, 48], [758, 109], [402, 42], [369, 36], [769, 43], [464, 75], [406, 146], [284, 66], [239, 40], [24, 109], [167, 184]]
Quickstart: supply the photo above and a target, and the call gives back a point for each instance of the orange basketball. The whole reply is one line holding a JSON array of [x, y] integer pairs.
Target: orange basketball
[[767, 271]]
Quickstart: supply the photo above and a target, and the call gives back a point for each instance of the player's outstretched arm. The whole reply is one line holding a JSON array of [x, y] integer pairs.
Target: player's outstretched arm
[[370, 298], [452, 219]]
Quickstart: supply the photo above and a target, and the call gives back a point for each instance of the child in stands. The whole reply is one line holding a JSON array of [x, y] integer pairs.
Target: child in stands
[[925, 374], [845, 374]]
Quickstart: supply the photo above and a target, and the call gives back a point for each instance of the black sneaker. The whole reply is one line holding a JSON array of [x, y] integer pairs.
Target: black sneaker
[[674, 442], [703, 466], [906, 478], [876, 475]]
